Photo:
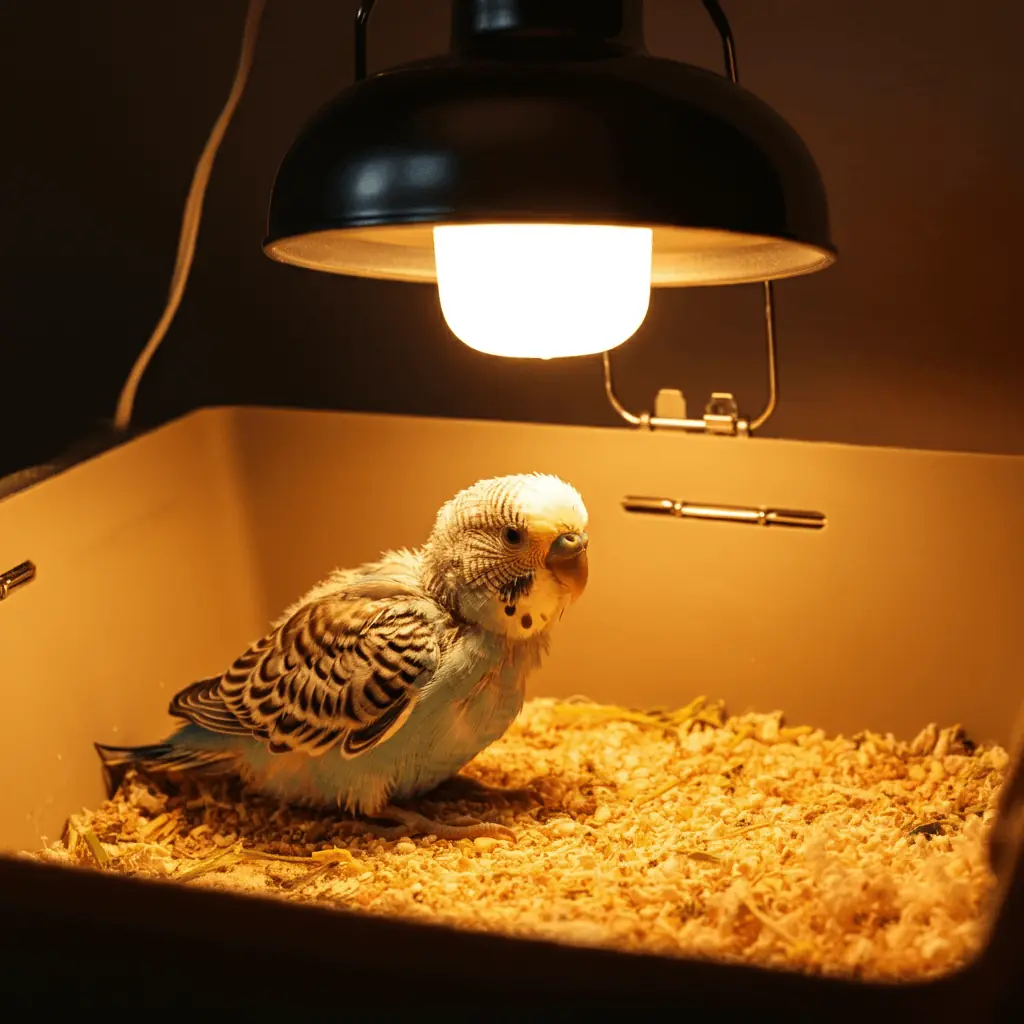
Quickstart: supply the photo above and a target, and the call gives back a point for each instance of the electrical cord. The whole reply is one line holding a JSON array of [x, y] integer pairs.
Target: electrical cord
[[191, 218]]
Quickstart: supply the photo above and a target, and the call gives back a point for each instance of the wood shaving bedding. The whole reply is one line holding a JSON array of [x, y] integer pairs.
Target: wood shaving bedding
[[683, 834]]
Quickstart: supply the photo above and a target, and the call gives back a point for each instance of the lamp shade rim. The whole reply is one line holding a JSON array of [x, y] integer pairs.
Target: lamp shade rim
[[682, 256]]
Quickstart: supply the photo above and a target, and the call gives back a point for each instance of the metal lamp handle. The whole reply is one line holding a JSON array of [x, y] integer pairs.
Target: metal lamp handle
[[733, 425], [362, 19]]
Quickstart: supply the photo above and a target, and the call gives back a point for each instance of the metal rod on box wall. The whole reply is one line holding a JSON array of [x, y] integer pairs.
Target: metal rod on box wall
[[750, 514], [15, 577]]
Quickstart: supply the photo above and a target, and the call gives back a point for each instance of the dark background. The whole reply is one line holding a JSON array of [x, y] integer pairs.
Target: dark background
[[913, 110]]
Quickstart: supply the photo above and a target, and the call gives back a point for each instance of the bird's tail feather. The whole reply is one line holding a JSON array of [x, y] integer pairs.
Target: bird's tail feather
[[161, 759]]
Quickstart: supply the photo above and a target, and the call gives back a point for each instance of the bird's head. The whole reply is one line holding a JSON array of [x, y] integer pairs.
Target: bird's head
[[510, 553]]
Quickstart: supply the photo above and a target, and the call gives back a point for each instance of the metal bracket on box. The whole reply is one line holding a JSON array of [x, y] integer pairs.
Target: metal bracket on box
[[721, 414], [752, 515], [16, 577]]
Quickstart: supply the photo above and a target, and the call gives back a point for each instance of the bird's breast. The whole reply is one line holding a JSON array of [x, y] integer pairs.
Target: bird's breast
[[474, 705]]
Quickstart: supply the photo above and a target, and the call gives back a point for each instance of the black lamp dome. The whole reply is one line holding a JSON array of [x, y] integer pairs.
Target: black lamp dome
[[551, 111]]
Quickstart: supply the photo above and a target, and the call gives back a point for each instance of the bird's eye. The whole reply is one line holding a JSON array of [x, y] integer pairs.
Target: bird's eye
[[513, 537]]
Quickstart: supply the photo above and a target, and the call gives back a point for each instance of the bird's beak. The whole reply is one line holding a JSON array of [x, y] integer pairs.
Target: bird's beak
[[567, 560]]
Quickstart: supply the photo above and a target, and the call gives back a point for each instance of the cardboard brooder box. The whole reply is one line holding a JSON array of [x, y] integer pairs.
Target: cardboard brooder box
[[159, 560]]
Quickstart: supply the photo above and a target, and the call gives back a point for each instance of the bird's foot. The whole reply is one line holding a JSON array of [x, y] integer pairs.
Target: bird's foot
[[465, 787], [414, 823]]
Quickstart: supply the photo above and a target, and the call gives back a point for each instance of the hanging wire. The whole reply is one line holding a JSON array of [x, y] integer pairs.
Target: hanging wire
[[192, 215]]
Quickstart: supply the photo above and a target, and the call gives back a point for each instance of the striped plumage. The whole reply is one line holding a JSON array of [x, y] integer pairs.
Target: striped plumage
[[383, 681]]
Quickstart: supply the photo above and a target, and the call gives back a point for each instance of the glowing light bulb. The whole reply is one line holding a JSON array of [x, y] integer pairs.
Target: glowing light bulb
[[543, 290]]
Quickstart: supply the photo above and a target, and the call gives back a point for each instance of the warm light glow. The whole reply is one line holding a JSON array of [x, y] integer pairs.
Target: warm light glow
[[543, 290]]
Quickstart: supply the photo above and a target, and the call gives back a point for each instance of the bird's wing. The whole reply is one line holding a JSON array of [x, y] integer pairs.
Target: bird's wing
[[340, 670]]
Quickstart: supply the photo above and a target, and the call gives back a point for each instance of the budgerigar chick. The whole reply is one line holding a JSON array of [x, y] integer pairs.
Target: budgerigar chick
[[383, 681]]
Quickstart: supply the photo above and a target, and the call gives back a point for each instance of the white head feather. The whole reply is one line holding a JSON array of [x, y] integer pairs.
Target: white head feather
[[509, 553]]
